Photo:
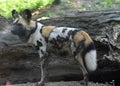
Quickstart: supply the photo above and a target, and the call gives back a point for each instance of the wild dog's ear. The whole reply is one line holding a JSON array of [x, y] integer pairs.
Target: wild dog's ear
[[15, 14], [27, 15]]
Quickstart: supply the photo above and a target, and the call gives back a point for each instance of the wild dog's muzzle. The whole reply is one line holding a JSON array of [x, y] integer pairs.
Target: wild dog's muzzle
[[18, 29], [21, 32]]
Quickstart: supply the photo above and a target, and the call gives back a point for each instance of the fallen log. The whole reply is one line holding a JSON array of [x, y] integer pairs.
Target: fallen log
[[20, 63]]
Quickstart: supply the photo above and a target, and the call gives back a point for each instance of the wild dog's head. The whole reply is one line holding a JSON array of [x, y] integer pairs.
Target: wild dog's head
[[23, 26]]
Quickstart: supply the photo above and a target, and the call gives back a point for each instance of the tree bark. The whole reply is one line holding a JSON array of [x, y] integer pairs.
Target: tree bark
[[21, 60]]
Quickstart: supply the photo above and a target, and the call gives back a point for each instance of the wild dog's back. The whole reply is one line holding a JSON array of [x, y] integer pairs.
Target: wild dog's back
[[60, 36]]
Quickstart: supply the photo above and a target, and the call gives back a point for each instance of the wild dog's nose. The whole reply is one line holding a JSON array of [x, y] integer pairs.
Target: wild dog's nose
[[13, 29]]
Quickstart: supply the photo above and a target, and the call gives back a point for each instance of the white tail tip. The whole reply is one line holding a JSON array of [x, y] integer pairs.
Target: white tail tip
[[90, 60]]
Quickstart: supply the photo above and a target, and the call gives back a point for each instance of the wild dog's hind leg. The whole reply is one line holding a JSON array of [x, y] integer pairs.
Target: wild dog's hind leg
[[80, 60], [84, 70]]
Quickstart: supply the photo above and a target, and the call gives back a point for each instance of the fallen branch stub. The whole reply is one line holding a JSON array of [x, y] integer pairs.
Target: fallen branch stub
[[23, 61]]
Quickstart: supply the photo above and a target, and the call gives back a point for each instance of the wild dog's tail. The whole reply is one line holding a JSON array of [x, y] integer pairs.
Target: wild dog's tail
[[85, 46], [89, 54], [90, 58]]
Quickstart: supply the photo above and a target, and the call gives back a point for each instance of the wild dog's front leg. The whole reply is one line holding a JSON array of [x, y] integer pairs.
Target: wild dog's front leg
[[43, 73], [43, 64]]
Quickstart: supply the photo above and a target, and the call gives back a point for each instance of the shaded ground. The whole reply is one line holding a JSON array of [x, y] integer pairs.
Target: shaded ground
[[61, 83]]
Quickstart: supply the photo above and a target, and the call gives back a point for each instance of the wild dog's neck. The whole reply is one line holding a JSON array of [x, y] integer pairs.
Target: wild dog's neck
[[35, 32], [32, 24]]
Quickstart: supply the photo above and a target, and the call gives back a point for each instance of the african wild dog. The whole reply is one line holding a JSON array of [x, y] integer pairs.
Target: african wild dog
[[42, 36]]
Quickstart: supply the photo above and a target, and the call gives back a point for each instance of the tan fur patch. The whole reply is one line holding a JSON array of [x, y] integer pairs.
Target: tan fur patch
[[22, 21], [16, 20], [87, 37], [77, 38], [29, 24], [47, 30], [80, 59], [32, 24], [80, 36]]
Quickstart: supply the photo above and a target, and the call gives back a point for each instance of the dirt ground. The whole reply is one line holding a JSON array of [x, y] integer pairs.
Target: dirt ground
[[62, 83]]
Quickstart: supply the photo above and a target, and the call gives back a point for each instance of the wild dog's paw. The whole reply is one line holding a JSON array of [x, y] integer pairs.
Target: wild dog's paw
[[39, 84]]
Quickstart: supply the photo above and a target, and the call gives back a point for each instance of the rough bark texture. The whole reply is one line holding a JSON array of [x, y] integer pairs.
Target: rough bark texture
[[20, 63]]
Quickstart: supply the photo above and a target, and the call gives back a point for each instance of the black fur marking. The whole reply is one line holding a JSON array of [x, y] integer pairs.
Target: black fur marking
[[19, 29], [27, 14], [79, 47], [32, 30], [60, 39], [41, 29], [85, 51], [70, 32], [40, 39], [38, 45], [63, 31], [15, 14], [29, 32], [59, 42], [73, 33], [53, 41], [46, 39], [91, 46], [42, 52]]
